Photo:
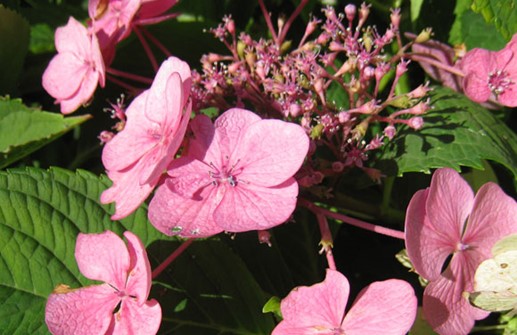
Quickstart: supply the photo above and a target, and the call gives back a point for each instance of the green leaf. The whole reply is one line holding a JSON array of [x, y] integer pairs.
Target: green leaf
[[215, 289], [42, 39], [14, 42], [416, 6], [41, 213], [23, 130], [503, 13], [457, 132], [273, 306]]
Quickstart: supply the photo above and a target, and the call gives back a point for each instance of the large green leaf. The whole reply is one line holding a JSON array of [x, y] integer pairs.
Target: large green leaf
[[457, 132], [41, 213], [24, 130], [503, 13], [14, 42]]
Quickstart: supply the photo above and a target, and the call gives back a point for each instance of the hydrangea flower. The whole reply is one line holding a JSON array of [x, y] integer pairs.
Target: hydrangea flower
[[388, 307], [73, 74], [490, 74], [446, 219], [236, 176], [156, 123], [126, 273]]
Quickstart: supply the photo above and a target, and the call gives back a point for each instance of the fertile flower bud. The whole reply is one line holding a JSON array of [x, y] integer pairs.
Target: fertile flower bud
[[390, 131], [350, 11], [424, 36], [416, 122], [395, 18]]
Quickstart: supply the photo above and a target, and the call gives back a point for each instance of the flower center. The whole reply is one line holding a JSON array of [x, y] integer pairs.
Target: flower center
[[227, 174], [498, 81], [462, 247]]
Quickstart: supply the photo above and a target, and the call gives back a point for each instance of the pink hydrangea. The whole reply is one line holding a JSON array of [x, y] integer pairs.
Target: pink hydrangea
[[446, 219], [73, 74], [156, 123], [126, 273], [236, 176], [491, 75], [388, 307]]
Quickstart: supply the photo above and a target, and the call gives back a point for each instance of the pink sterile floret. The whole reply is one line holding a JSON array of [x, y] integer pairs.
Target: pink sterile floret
[[126, 274], [491, 74], [236, 176], [388, 307], [447, 219], [72, 75], [156, 123]]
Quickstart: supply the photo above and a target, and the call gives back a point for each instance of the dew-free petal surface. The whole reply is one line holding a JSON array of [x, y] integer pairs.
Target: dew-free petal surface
[[136, 319], [139, 278]]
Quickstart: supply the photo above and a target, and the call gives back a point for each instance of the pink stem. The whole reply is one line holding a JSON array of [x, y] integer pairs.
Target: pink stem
[[171, 258], [130, 88], [147, 49], [293, 16], [326, 240], [268, 21], [353, 221], [448, 68], [156, 42], [127, 75]]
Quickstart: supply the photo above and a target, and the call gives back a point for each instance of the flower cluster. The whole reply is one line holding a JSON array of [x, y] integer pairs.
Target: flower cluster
[[299, 83]]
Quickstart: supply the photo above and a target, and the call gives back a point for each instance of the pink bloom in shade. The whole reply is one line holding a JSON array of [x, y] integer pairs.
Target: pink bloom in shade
[[491, 74], [72, 75], [387, 307], [126, 273], [237, 176], [445, 219], [156, 123]]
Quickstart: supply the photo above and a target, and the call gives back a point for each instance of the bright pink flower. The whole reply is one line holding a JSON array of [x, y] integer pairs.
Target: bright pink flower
[[388, 307], [72, 75], [156, 123], [126, 273], [491, 74], [447, 219], [236, 176]]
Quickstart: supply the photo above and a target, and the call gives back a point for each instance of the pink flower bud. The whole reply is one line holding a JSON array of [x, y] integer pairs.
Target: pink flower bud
[[343, 117], [105, 136], [416, 122], [350, 11], [395, 18], [368, 72], [401, 68], [295, 110], [419, 92], [264, 237], [338, 167], [390, 131]]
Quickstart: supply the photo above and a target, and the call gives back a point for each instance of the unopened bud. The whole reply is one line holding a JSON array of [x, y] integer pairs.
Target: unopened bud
[[338, 166], [390, 131], [416, 122], [424, 36], [395, 18], [364, 11], [240, 49], [284, 48], [350, 11], [317, 131], [264, 237]]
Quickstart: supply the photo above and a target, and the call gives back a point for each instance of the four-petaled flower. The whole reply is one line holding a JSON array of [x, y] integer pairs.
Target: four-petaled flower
[[236, 176], [387, 307], [156, 123], [447, 219], [490, 74], [72, 75], [119, 306]]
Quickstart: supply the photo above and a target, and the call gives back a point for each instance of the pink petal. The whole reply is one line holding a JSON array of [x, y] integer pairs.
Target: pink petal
[[477, 61], [230, 129], [446, 307], [73, 38], [126, 191], [270, 152], [427, 246], [494, 216], [203, 132], [64, 75], [153, 8], [103, 257], [137, 319], [83, 95], [509, 97], [85, 311], [476, 87], [387, 307], [173, 214], [449, 202], [248, 207], [188, 176], [315, 309], [138, 137], [139, 277]]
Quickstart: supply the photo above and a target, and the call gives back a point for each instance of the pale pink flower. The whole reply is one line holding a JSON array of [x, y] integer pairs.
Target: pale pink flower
[[491, 75], [388, 307], [447, 219], [236, 176], [156, 123], [73, 74], [126, 273]]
